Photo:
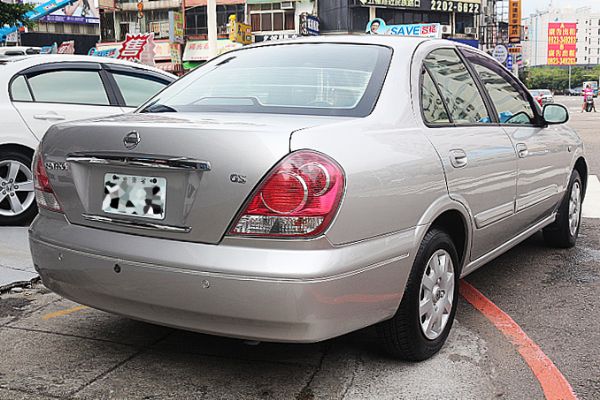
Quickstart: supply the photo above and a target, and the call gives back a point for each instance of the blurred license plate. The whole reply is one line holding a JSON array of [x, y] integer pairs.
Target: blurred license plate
[[139, 196]]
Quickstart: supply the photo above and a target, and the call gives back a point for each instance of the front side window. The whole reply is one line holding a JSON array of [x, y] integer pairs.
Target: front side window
[[434, 111], [136, 89], [310, 79], [509, 98], [72, 87], [19, 90], [465, 104]]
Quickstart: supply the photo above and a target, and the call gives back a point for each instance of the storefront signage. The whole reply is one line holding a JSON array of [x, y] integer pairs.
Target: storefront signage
[[138, 48], [239, 32], [79, 12], [275, 37], [111, 52], [500, 53], [514, 21], [465, 7], [175, 49], [67, 47], [393, 3], [197, 50], [309, 25], [562, 43], [378, 27], [175, 27]]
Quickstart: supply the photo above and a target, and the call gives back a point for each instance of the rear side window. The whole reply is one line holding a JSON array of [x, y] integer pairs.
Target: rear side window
[[19, 90], [434, 111], [73, 87], [509, 98], [137, 89], [458, 88]]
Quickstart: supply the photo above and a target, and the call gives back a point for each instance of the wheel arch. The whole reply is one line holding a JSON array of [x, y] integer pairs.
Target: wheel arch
[[582, 168], [452, 217], [18, 148]]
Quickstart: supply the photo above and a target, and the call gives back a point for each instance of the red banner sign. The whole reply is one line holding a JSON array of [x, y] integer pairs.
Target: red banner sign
[[562, 43]]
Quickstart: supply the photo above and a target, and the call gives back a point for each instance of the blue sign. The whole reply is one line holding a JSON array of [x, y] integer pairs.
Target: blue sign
[[378, 27], [509, 62], [309, 25]]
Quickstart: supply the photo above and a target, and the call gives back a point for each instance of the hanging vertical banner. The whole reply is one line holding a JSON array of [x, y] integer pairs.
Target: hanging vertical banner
[[514, 21], [562, 43]]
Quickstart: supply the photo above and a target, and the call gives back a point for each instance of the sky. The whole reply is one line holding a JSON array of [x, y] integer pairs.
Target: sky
[[529, 6]]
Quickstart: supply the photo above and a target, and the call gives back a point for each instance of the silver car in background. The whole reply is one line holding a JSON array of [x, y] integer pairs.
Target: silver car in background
[[298, 191]]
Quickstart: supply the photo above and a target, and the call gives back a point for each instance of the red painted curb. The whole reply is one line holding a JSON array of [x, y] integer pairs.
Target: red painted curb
[[554, 384]]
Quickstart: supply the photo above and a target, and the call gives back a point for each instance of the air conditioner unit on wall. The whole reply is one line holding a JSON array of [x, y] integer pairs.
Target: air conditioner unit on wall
[[446, 29], [287, 5], [470, 30]]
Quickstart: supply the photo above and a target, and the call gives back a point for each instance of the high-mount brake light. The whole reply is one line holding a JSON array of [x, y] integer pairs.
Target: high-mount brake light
[[44, 194], [299, 198]]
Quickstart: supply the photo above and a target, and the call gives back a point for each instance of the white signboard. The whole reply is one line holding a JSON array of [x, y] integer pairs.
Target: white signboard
[[500, 53]]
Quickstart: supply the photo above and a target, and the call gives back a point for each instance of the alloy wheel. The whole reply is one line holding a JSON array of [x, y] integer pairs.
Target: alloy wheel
[[16, 188]]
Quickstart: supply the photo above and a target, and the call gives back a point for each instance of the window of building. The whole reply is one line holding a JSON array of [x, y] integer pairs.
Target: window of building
[[271, 17], [196, 20]]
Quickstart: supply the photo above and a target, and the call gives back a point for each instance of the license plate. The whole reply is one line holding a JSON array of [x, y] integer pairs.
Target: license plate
[[138, 196]]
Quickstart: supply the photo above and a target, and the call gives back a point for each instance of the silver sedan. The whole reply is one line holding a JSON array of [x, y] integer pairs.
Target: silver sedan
[[302, 190]]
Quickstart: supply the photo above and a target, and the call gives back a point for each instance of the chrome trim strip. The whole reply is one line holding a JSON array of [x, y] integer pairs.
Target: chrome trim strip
[[176, 163], [496, 214], [533, 199], [137, 224], [473, 265]]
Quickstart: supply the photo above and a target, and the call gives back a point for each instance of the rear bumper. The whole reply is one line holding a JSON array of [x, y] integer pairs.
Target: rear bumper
[[204, 295]]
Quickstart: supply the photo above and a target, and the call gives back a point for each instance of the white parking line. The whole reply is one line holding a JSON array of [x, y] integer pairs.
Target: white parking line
[[591, 205]]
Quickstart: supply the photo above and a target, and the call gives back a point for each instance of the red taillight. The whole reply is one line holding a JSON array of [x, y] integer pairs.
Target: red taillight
[[44, 195], [298, 198]]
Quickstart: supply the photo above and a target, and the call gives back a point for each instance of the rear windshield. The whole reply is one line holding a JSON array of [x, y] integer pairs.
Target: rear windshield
[[314, 79]]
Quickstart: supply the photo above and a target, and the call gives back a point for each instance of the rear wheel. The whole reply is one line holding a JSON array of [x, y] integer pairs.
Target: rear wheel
[[564, 231], [421, 325], [17, 197]]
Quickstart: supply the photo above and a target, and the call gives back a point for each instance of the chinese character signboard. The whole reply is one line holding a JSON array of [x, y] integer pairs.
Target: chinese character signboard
[[239, 32], [198, 50], [562, 43], [175, 27], [78, 12], [514, 21], [378, 27], [138, 48]]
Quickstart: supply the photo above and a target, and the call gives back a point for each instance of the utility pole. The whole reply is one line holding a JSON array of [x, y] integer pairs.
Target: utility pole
[[211, 8]]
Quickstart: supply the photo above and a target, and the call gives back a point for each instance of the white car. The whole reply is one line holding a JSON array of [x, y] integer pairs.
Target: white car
[[39, 91], [19, 50]]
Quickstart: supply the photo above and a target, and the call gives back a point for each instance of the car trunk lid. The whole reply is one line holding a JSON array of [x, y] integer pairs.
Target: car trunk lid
[[189, 173]]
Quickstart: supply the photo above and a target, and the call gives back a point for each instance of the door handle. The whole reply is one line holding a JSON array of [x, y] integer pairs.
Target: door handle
[[49, 117], [522, 150], [458, 158]]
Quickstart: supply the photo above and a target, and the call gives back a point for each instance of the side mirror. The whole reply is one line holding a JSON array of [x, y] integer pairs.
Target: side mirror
[[555, 114]]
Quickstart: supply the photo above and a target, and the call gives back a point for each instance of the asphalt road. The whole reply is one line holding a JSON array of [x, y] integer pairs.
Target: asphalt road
[[52, 348]]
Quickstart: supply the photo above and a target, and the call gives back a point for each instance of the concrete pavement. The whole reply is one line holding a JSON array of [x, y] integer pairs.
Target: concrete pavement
[[16, 267]]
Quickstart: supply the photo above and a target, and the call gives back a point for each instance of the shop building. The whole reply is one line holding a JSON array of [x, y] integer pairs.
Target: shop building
[[274, 19], [459, 19]]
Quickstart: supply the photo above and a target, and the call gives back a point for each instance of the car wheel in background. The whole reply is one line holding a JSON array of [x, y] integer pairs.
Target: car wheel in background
[[421, 325], [564, 231], [17, 196]]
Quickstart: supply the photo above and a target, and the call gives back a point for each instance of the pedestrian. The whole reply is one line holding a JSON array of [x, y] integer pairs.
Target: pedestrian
[[588, 94]]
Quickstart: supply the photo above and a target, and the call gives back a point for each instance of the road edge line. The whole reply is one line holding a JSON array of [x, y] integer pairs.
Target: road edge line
[[554, 385]]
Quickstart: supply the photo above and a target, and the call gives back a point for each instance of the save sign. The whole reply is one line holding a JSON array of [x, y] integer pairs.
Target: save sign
[[378, 27]]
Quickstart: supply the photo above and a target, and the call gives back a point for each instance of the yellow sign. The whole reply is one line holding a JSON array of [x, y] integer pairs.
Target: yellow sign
[[514, 21], [239, 32]]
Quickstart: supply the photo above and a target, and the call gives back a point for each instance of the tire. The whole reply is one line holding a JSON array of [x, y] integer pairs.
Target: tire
[[20, 189], [405, 336], [564, 231]]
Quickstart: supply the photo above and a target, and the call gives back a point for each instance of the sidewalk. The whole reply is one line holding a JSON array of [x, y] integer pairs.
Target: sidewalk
[[16, 266]]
